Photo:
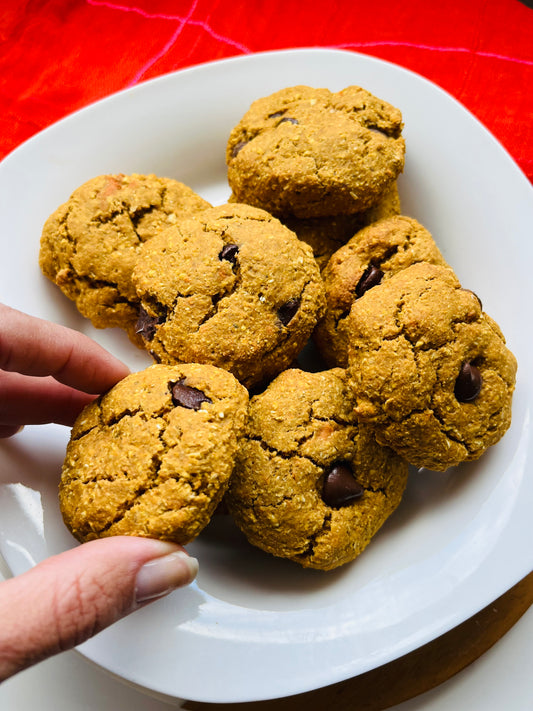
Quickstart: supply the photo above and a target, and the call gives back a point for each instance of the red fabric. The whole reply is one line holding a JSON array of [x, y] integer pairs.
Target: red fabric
[[59, 55]]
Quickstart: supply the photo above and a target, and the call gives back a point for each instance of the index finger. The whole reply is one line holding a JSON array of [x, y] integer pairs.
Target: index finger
[[33, 346]]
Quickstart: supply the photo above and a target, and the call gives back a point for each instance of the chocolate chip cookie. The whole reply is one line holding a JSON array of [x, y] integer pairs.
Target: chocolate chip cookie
[[429, 369], [309, 152], [371, 257], [310, 483], [89, 244], [232, 287], [153, 456]]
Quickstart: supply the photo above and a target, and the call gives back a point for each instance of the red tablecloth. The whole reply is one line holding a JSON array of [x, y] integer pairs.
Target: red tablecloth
[[59, 55]]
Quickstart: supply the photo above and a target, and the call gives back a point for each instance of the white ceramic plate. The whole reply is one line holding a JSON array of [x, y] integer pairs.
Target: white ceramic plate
[[254, 627]]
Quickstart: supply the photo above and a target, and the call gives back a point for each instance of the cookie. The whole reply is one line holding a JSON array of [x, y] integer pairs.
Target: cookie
[[309, 152], [232, 287], [153, 456], [311, 484], [429, 369], [372, 256], [89, 244], [325, 235]]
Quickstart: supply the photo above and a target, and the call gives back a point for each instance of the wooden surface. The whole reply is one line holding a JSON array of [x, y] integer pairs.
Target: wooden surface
[[412, 674]]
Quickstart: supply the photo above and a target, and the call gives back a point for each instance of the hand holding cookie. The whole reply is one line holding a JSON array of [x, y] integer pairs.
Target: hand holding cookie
[[49, 373]]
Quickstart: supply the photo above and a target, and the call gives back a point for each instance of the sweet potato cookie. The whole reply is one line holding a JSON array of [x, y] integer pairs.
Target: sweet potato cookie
[[371, 257], [310, 483], [313, 153], [89, 244], [153, 456], [232, 287], [429, 368]]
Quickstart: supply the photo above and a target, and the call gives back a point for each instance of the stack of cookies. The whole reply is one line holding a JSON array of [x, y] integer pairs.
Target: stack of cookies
[[312, 243]]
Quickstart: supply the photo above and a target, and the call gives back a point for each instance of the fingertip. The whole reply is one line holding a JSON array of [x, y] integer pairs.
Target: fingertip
[[158, 567], [162, 575], [108, 371]]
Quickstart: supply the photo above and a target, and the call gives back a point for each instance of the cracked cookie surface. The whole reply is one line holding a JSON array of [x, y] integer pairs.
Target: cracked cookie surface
[[429, 368], [372, 256], [232, 287], [89, 244], [310, 483], [312, 153], [153, 456]]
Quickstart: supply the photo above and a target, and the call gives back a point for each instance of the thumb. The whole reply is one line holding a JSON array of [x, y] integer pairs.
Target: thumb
[[71, 596]]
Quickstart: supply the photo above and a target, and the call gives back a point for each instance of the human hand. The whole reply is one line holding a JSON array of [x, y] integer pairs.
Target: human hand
[[48, 373]]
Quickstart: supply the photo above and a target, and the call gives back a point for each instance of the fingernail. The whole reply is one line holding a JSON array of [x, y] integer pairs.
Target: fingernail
[[160, 576]]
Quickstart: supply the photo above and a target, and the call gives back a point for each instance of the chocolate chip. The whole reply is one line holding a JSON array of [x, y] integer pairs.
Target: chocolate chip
[[229, 253], [288, 310], [372, 276], [146, 324], [276, 114], [186, 396], [340, 487], [237, 147], [468, 383], [289, 120]]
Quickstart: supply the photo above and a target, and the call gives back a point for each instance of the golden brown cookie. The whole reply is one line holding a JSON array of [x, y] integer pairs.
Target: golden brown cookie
[[309, 152], [89, 244], [153, 456], [232, 287], [371, 257], [429, 369], [310, 483]]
